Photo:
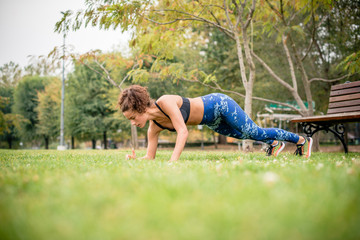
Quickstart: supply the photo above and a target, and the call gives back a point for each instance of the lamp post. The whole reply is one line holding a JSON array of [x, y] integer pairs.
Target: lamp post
[[62, 142]]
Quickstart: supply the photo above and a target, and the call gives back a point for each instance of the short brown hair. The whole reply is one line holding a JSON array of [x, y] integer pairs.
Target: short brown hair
[[134, 98]]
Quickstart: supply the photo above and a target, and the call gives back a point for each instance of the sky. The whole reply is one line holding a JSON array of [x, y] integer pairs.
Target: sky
[[27, 28]]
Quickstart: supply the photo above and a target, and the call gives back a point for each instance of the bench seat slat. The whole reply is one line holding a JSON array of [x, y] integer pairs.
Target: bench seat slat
[[344, 91], [344, 104], [341, 117], [344, 98], [345, 85]]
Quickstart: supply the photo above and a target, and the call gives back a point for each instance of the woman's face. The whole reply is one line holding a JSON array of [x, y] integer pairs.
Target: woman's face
[[137, 119]]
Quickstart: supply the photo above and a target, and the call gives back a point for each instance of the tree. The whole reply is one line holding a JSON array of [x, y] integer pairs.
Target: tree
[[48, 110], [114, 68], [10, 74], [25, 103], [339, 35], [8, 120], [301, 31], [230, 17], [162, 26], [89, 108]]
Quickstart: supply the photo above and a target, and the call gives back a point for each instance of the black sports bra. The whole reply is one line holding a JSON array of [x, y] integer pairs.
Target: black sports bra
[[184, 109]]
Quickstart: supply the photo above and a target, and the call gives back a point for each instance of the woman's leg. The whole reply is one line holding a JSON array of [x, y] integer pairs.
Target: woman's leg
[[233, 121]]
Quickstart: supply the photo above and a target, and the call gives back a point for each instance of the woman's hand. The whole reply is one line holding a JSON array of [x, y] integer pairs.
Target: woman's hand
[[133, 156]]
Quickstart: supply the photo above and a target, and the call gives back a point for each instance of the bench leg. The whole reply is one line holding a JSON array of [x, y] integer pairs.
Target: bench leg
[[337, 129]]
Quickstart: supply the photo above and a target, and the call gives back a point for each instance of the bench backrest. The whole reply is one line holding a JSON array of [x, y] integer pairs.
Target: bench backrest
[[344, 98]]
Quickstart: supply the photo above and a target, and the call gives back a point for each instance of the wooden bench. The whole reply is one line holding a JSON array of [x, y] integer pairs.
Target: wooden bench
[[344, 106]]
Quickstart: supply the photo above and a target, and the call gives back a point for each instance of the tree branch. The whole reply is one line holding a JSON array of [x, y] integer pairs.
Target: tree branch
[[212, 14], [107, 76], [193, 18], [98, 72], [127, 75], [239, 13], [274, 9], [312, 33], [291, 65], [272, 73], [251, 13], [329, 80], [295, 14], [228, 17], [213, 5]]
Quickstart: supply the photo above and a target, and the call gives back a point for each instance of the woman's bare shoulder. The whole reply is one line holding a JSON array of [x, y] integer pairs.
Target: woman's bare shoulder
[[168, 98]]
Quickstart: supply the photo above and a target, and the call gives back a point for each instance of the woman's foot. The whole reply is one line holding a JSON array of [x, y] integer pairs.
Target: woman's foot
[[304, 149], [274, 150]]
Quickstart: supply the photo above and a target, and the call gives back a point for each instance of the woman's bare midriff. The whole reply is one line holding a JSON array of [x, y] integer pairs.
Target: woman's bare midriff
[[196, 111]]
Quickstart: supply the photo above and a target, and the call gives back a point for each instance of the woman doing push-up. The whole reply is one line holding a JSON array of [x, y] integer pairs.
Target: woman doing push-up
[[217, 111]]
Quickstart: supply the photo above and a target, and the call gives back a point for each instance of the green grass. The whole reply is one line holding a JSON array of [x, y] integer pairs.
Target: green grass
[[206, 195]]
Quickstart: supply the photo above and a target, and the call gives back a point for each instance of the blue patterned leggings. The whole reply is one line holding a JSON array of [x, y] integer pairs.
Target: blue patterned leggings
[[223, 115]]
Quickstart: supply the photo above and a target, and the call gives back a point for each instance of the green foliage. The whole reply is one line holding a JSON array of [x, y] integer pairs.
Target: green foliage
[[165, 28], [206, 195], [139, 75], [25, 103], [89, 111], [10, 74], [160, 42], [3, 126], [351, 63], [339, 37], [106, 14], [48, 110], [6, 101], [9, 120]]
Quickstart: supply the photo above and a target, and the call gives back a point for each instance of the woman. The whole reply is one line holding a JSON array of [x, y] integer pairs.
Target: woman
[[218, 111]]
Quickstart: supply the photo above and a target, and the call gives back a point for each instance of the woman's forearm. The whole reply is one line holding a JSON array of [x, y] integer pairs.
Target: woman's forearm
[[153, 139], [151, 150], [179, 146]]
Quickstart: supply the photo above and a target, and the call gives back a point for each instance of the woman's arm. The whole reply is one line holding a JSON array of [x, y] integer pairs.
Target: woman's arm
[[170, 107], [180, 144], [153, 138]]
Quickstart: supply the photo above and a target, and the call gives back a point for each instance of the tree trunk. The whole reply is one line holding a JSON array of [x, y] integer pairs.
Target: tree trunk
[[134, 137], [93, 141], [46, 142], [146, 140], [72, 142], [222, 139], [215, 143], [9, 141], [316, 142], [248, 83], [247, 145], [105, 140]]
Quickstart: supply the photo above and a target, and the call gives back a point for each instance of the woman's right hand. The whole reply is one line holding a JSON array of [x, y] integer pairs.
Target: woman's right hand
[[133, 156]]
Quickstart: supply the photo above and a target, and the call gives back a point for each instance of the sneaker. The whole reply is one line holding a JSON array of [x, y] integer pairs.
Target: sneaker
[[305, 148], [275, 150]]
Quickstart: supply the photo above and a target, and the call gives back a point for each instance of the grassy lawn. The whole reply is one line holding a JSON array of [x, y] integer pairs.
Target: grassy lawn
[[206, 195]]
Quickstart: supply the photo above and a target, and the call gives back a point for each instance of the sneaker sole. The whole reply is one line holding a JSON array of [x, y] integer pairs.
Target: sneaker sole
[[308, 154], [280, 149]]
